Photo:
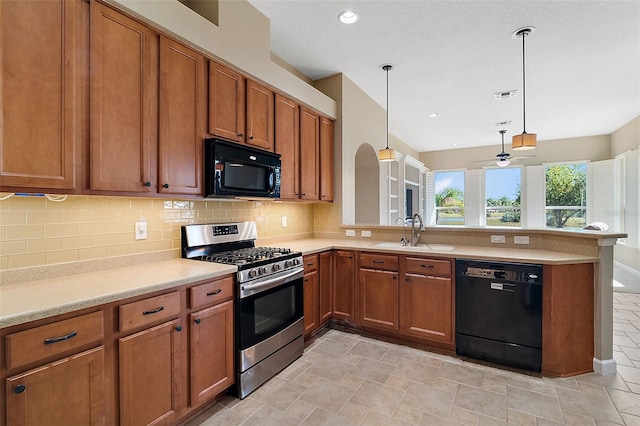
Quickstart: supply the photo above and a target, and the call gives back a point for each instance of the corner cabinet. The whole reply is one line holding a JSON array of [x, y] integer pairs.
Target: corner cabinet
[[40, 102], [326, 159], [427, 299]]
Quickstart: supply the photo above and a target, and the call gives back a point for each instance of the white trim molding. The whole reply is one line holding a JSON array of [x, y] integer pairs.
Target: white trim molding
[[605, 367]]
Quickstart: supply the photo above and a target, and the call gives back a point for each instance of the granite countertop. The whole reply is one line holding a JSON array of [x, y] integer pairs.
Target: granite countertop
[[310, 246], [29, 301], [33, 300]]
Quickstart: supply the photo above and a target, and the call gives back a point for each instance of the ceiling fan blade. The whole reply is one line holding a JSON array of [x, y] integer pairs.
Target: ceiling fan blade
[[493, 160], [522, 157]]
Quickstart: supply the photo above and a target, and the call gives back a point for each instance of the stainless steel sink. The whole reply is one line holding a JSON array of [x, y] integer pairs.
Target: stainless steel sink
[[418, 247]]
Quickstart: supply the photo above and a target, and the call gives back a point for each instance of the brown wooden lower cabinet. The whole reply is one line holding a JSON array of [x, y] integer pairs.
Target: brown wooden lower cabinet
[[324, 287], [310, 291], [150, 363], [343, 285], [378, 298], [70, 391], [211, 351]]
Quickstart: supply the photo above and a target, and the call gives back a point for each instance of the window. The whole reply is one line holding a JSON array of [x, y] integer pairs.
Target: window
[[566, 195], [502, 189], [449, 198]]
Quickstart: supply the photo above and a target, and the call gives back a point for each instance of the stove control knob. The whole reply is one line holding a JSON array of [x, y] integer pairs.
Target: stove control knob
[[253, 273], [296, 261], [262, 270], [288, 263], [276, 267]]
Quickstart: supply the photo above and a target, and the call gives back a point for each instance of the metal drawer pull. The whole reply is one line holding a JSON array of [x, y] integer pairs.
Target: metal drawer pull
[[60, 339], [153, 311], [213, 293], [179, 328], [427, 266], [378, 261], [19, 389], [197, 320], [310, 264]]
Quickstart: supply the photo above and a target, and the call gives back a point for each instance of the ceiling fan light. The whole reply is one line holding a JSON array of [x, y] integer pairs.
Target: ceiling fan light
[[503, 162], [523, 141], [387, 154]]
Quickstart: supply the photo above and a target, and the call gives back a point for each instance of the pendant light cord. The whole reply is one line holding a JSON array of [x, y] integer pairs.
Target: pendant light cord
[[387, 71], [524, 90]]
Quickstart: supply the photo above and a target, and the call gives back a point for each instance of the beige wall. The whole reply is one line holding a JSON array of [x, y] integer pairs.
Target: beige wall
[[626, 138], [593, 148], [35, 231]]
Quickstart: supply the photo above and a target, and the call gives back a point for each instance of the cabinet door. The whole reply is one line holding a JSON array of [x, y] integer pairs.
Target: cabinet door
[[378, 295], [326, 159], [211, 351], [324, 302], [343, 284], [259, 116], [226, 103], [150, 375], [310, 290], [427, 307], [121, 99], [309, 155], [66, 392], [287, 144], [39, 96], [182, 116]]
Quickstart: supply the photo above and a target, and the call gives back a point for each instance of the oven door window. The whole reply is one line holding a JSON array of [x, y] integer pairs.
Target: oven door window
[[265, 314]]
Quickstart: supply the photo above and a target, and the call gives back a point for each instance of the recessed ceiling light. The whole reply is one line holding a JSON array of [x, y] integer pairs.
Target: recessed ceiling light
[[456, 144], [433, 115], [348, 17]]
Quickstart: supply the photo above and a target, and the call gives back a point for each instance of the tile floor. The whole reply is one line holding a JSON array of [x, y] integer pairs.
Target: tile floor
[[346, 379]]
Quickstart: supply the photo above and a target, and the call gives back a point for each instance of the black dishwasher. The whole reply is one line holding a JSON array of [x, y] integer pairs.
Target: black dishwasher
[[499, 312]]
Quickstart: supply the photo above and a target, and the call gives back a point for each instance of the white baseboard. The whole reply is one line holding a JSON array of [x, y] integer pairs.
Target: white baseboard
[[606, 367], [626, 268]]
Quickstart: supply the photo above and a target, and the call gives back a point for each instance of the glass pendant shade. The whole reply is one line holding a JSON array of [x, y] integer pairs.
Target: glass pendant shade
[[387, 154], [523, 141], [503, 163]]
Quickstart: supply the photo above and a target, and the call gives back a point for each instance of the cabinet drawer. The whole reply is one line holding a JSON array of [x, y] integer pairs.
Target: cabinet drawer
[[310, 263], [212, 292], [48, 340], [149, 311], [379, 261], [416, 265]]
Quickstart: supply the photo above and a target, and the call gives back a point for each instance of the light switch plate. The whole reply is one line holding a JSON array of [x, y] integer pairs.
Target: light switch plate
[[365, 233], [351, 232], [497, 239], [521, 239]]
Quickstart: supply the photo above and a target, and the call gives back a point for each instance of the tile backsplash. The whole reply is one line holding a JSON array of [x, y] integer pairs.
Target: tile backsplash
[[36, 231]]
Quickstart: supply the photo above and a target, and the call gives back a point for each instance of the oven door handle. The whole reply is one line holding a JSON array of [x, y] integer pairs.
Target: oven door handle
[[258, 287]]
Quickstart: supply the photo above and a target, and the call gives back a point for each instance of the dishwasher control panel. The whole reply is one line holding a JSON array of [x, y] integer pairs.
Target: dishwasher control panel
[[514, 272]]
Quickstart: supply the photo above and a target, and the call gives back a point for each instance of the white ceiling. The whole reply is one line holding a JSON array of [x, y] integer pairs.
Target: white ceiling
[[583, 63]]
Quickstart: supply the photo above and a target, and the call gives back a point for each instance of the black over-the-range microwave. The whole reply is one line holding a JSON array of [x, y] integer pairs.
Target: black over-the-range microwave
[[234, 170]]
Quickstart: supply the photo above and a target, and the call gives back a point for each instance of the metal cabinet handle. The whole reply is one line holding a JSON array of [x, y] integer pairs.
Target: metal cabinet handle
[[323, 196], [179, 328], [197, 320], [304, 194], [213, 293], [165, 186], [60, 339], [427, 266], [147, 184], [153, 311], [240, 134], [250, 137], [19, 389], [378, 261]]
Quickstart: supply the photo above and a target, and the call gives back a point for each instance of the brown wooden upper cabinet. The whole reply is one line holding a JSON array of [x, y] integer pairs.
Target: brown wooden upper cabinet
[[326, 159], [240, 109], [182, 115], [40, 96], [309, 155], [122, 98], [287, 144]]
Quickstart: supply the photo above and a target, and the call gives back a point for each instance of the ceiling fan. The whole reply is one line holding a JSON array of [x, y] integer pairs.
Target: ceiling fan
[[503, 159]]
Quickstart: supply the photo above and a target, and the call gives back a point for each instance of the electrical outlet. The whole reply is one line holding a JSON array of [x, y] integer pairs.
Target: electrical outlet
[[497, 239], [284, 221], [520, 239], [351, 233], [141, 230], [366, 234]]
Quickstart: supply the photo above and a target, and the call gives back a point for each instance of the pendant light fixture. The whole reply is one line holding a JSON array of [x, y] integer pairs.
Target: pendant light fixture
[[503, 159], [524, 140], [387, 154]]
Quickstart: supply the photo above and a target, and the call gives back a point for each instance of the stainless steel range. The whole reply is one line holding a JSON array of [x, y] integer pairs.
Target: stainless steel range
[[269, 322]]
